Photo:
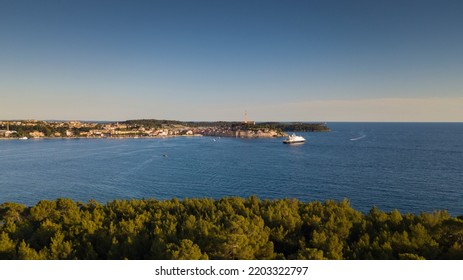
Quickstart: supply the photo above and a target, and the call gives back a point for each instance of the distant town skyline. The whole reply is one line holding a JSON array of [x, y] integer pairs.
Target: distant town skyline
[[212, 60]]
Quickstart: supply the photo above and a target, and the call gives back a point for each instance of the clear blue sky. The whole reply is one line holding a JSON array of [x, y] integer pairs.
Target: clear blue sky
[[211, 60]]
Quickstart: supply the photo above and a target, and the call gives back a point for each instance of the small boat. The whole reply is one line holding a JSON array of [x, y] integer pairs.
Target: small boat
[[293, 139], [23, 138]]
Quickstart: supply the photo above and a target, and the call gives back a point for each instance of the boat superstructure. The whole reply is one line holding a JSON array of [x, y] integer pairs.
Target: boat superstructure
[[293, 139]]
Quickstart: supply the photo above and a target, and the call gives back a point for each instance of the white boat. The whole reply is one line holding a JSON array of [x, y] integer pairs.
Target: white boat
[[23, 138], [293, 139]]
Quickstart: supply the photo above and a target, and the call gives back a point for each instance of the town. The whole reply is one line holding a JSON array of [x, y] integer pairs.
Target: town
[[25, 129]]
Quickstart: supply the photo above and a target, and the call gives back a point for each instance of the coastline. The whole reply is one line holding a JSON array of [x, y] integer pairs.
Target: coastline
[[110, 137], [138, 137], [150, 128]]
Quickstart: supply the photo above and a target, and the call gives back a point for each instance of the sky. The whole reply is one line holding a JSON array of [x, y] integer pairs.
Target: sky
[[211, 60]]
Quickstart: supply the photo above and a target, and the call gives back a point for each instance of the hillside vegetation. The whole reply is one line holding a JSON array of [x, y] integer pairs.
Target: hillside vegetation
[[279, 126], [228, 228]]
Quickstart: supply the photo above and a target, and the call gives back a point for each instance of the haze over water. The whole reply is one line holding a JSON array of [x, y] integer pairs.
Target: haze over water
[[413, 167]]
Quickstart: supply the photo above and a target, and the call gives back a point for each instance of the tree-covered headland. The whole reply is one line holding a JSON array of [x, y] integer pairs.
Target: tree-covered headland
[[228, 228]]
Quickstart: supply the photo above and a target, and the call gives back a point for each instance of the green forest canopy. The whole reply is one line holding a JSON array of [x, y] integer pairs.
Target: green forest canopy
[[227, 228]]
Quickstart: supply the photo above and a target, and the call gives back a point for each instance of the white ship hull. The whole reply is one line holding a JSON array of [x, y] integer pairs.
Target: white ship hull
[[294, 139]]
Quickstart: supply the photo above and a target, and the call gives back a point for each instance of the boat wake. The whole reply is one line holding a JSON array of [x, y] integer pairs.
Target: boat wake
[[358, 138]]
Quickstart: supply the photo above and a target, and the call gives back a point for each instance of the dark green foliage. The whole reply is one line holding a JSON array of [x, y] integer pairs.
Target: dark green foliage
[[278, 126], [293, 126], [228, 228], [46, 128], [151, 123]]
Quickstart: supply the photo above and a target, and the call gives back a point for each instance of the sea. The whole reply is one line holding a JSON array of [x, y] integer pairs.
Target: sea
[[412, 167]]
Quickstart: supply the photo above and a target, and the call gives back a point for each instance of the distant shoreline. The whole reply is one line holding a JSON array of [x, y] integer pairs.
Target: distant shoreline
[[151, 128], [110, 137]]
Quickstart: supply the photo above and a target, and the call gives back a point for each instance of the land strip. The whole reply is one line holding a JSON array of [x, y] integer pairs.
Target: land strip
[[151, 128]]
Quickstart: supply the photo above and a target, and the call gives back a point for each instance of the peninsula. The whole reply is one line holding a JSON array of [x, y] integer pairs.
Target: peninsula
[[151, 128]]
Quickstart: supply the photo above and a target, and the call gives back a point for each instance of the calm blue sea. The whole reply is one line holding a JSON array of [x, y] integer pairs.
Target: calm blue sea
[[413, 167]]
